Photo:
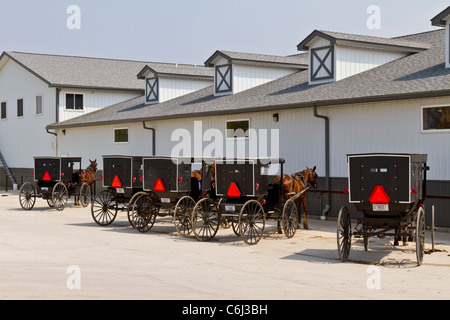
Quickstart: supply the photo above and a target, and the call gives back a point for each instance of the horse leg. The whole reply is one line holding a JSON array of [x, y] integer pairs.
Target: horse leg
[[305, 213]]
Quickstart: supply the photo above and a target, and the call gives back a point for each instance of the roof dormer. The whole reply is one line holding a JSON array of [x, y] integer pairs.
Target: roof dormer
[[335, 56], [166, 82], [443, 20], [237, 71]]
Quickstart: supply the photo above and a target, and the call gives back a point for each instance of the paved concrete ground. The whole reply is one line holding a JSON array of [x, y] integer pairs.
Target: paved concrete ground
[[45, 254]]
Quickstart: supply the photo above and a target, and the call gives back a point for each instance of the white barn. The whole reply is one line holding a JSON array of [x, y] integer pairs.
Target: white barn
[[342, 94]]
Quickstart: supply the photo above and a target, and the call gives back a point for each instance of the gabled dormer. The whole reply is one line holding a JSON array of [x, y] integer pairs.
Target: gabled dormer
[[335, 56], [443, 20], [237, 71], [165, 82]]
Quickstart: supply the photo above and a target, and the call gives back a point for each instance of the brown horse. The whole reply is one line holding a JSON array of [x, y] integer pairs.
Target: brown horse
[[296, 183], [88, 175]]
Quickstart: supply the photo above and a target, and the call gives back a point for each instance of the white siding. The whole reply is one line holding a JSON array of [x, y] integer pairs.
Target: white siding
[[377, 127], [170, 88], [246, 77], [93, 100], [23, 138], [351, 60]]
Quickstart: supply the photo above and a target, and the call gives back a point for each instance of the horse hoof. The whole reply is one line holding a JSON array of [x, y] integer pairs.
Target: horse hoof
[[395, 243], [305, 227], [279, 230], [405, 243]]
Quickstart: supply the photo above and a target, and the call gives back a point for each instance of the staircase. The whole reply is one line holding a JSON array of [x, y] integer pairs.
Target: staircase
[[5, 174]]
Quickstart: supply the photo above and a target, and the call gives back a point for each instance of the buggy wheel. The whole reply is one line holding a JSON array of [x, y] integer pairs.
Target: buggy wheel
[[182, 215], [130, 206], [205, 219], [235, 226], [144, 212], [27, 196], [85, 195], [252, 221], [420, 236], [50, 202], [104, 208], [289, 218], [344, 234], [60, 196]]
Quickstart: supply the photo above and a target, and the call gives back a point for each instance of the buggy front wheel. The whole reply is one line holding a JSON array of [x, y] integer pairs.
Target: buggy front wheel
[[104, 208], [60, 196], [27, 196], [344, 234], [85, 195], [205, 219], [289, 218], [182, 215]]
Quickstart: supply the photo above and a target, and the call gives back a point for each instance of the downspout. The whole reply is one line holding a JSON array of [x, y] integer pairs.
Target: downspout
[[327, 160], [153, 137]]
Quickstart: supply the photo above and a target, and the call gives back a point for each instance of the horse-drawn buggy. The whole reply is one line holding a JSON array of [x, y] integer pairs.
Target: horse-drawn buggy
[[170, 188], [57, 179], [247, 200], [122, 180], [389, 191]]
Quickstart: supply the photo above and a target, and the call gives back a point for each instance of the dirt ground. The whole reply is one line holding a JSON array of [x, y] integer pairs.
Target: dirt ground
[[46, 254]]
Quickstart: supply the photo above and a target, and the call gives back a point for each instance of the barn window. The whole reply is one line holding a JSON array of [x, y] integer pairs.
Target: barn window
[[121, 135], [39, 109], [435, 118], [74, 101], [152, 90], [223, 78], [20, 107], [238, 129], [3, 110], [322, 63]]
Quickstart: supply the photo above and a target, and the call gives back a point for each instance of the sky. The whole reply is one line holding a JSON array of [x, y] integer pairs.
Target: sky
[[190, 31]]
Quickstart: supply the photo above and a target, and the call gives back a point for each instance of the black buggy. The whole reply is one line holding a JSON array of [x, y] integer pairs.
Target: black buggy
[[389, 190], [56, 179], [122, 178], [170, 188], [247, 199]]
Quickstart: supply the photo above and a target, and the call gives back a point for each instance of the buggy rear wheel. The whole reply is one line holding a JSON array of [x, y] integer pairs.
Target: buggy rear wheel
[[85, 195], [344, 234], [104, 208], [60, 196], [289, 218], [183, 214], [144, 212], [252, 221], [205, 219], [420, 236], [27, 196]]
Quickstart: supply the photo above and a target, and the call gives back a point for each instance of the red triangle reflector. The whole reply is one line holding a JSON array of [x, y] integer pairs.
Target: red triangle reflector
[[46, 176], [233, 191], [159, 186], [379, 196], [116, 182]]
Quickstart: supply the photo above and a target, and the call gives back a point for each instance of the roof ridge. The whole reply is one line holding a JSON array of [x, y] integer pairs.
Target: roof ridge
[[110, 59]]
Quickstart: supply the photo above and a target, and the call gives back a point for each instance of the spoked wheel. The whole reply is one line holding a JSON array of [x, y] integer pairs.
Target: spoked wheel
[[144, 212], [420, 236], [252, 221], [27, 196], [183, 214], [50, 202], [85, 195], [130, 206], [205, 219], [289, 218], [60, 196], [344, 234], [104, 208]]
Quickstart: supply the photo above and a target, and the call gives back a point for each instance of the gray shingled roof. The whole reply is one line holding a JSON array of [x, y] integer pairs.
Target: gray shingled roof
[[190, 71], [298, 61], [361, 40], [84, 72], [418, 75]]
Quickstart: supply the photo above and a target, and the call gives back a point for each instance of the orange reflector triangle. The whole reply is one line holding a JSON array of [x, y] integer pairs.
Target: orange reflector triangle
[[379, 196], [159, 186], [46, 176], [233, 191], [116, 182]]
